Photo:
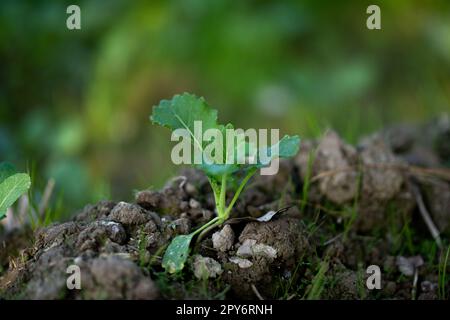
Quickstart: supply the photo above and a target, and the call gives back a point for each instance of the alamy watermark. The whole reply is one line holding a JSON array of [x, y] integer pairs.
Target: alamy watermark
[[374, 20], [74, 280], [227, 146], [73, 21], [374, 279]]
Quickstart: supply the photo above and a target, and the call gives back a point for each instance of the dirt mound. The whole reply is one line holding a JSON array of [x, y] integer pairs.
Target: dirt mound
[[344, 208]]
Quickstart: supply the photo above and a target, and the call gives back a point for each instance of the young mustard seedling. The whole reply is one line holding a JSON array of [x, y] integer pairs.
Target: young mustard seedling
[[183, 112], [12, 186]]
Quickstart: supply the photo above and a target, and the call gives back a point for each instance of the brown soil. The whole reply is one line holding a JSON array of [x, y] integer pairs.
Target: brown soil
[[360, 210]]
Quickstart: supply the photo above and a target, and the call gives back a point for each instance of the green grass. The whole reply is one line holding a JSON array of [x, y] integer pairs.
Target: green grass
[[318, 282], [352, 211], [144, 258], [442, 282], [176, 286], [360, 281], [282, 201], [290, 287], [307, 181], [400, 232], [43, 209]]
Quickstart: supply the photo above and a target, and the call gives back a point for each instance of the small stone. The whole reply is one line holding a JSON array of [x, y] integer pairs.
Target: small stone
[[428, 286], [245, 250], [223, 240], [128, 214], [78, 260], [194, 204], [252, 249], [242, 263], [205, 267], [264, 250], [148, 199], [190, 189], [115, 231]]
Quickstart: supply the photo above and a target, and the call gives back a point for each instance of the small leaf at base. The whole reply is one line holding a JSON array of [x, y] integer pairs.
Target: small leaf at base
[[177, 253], [12, 186]]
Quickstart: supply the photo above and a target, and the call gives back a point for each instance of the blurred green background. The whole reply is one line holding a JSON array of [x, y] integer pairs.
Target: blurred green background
[[74, 105]]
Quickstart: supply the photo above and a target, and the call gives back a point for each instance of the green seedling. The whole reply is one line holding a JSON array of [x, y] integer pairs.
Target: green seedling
[[185, 112], [12, 186]]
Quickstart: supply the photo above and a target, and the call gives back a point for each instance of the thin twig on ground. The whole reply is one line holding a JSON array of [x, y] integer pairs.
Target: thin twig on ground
[[257, 292], [413, 170], [43, 205], [425, 215]]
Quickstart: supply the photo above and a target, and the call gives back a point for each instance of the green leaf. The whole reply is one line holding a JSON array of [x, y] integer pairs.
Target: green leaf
[[177, 253], [287, 147], [12, 186], [182, 111], [216, 170]]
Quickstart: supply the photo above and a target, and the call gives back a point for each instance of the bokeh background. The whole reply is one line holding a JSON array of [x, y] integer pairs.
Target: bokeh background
[[75, 105]]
